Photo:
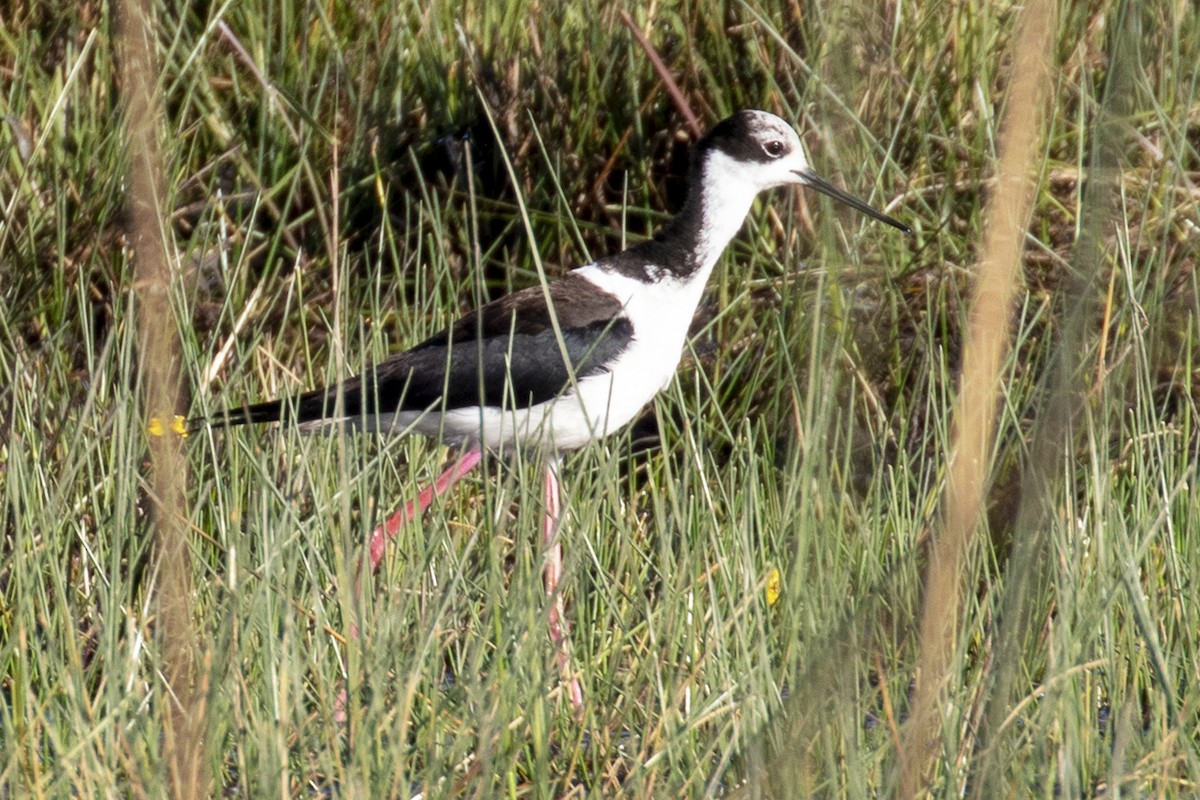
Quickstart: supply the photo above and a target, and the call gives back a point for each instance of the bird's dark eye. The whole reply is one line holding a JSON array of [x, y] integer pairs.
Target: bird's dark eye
[[774, 148]]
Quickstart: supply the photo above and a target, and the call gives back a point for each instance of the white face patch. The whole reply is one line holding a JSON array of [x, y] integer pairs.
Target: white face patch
[[778, 153]]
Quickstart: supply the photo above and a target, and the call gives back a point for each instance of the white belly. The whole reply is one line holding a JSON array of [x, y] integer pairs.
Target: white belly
[[597, 406]]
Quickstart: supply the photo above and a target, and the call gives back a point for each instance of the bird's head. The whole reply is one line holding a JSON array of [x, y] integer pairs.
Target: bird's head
[[762, 150]]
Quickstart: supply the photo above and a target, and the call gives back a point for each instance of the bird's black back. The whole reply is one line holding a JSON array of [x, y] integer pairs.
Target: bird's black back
[[506, 354]]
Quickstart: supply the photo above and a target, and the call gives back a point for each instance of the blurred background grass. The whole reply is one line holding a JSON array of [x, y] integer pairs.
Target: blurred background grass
[[335, 193]]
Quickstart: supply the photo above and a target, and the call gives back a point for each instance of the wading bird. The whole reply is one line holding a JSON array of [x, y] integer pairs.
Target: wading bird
[[552, 368]]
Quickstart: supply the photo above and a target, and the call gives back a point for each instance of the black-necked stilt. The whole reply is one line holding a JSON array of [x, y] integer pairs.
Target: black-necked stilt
[[552, 368]]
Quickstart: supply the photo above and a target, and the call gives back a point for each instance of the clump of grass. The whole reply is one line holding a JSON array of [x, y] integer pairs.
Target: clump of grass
[[323, 217]]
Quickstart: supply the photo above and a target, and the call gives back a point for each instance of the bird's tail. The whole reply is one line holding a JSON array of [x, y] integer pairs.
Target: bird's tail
[[270, 411], [307, 408]]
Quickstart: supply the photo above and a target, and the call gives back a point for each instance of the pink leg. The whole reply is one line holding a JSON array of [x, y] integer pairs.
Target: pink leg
[[559, 629], [392, 525], [414, 508]]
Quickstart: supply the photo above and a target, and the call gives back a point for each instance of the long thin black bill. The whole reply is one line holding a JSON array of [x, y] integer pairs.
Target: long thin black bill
[[823, 186]]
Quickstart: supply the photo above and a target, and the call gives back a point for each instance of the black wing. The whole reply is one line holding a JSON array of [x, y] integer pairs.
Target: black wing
[[504, 354]]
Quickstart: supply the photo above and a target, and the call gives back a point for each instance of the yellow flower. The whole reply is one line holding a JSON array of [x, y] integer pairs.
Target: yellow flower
[[155, 427], [774, 586]]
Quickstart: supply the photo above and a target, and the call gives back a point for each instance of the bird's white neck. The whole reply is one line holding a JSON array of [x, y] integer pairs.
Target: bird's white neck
[[687, 248], [720, 201]]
